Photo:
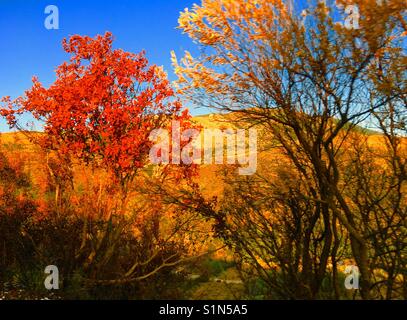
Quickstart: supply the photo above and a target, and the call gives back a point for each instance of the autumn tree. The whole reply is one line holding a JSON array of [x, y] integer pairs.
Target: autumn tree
[[374, 174], [97, 118], [102, 107], [309, 78]]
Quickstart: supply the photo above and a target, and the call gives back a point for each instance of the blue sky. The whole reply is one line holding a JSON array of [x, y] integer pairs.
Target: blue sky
[[27, 48]]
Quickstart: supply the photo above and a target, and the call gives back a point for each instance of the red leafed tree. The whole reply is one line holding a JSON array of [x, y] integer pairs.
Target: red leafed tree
[[102, 106], [101, 109]]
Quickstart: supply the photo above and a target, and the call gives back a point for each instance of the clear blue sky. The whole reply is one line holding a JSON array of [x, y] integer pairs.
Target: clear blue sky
[[27, 48]]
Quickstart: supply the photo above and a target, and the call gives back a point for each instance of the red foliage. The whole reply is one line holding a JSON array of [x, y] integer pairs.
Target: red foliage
[[102, 106]]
